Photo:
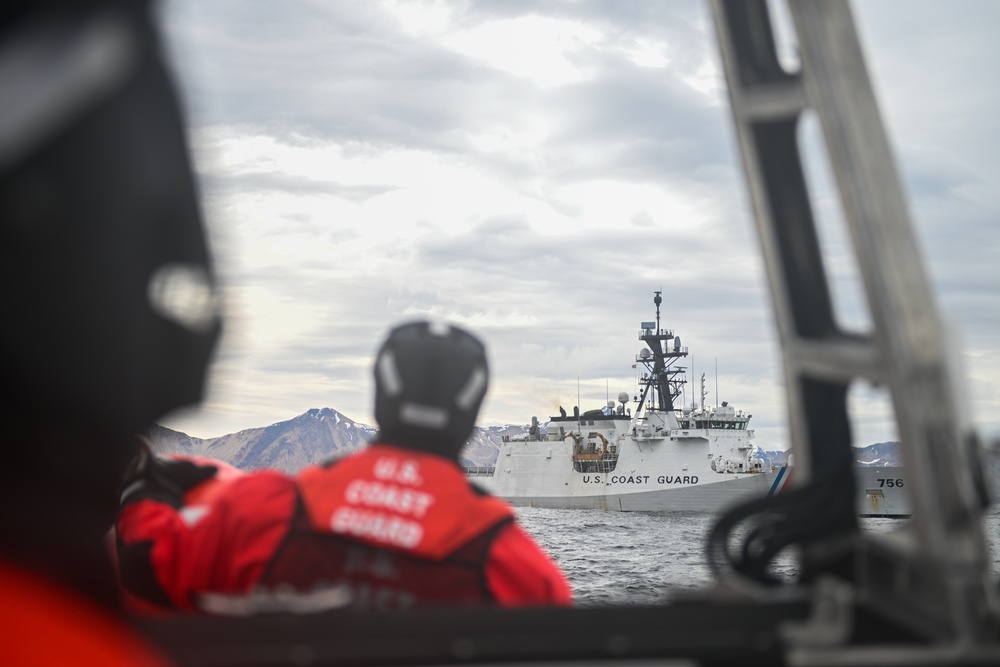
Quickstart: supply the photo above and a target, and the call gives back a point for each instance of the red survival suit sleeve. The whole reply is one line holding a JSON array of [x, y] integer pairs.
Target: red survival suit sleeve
[[46, 624], [519, 573], [167, 555]]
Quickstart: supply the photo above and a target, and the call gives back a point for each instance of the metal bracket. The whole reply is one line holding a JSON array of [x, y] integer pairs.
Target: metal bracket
[[905, 351]]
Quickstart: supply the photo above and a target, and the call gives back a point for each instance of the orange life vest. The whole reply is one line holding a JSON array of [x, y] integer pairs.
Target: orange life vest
[[396, 528]]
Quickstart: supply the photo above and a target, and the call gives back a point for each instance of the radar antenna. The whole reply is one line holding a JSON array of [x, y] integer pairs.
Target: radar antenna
[[663, 381]]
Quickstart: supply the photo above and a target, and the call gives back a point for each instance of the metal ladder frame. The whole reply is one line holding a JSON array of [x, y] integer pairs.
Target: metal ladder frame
[[932, 576]]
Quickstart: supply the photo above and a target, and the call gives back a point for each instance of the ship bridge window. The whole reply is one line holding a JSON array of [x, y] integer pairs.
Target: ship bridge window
[[723, 424]]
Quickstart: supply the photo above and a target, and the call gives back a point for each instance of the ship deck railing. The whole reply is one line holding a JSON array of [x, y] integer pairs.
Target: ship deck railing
[[604, 465], [528, 438], [479, 471]]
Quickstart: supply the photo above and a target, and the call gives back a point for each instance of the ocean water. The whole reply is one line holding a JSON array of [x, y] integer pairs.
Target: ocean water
[[626, 558]]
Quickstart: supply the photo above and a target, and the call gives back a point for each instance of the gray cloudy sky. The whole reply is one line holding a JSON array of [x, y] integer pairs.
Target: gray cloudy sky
[[533, 171]]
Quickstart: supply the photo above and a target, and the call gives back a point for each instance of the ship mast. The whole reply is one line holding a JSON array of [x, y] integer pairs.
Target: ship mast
[[662, 377]]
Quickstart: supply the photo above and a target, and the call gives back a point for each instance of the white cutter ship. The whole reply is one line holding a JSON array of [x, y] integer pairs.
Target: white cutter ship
[[661, 458]]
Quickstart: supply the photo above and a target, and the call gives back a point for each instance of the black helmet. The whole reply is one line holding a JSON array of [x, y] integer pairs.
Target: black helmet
[[430, 379], [108, 291]]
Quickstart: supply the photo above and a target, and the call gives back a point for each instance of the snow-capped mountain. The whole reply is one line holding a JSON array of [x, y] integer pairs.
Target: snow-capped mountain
[[290, 445], [315, 435], [879, 455]]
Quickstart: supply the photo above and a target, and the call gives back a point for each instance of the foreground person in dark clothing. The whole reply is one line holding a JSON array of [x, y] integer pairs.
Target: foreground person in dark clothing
[[392, 527], [109, 319]]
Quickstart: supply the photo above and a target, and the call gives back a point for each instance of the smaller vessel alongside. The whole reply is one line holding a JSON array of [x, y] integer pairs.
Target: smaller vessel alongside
[[882, 492]]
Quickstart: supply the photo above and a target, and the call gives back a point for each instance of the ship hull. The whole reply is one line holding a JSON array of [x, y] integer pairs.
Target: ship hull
[[704, 462], [712, 497], [882, 492], [672, 473]]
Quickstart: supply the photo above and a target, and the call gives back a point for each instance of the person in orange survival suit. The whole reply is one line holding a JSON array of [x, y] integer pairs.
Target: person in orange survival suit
[[109, 315], [207, 478], [393, 526]]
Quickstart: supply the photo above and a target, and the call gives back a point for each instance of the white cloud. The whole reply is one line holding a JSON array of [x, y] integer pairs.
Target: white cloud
[[708, 80], [542, 49], [420, 19], [646, 53]]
